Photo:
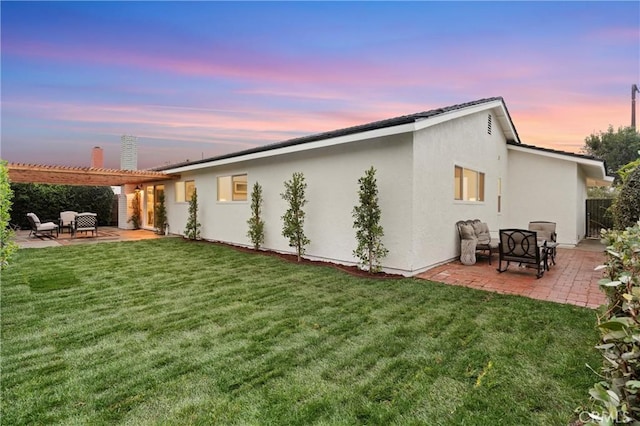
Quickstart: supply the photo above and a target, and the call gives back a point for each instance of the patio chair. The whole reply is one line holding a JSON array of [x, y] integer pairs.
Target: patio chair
[[85, 222], [522, 246], [66, 220], [546, 231], [474, 237], [39, 229]]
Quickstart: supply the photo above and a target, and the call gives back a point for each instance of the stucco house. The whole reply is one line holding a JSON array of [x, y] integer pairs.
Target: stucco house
[[433, 168]]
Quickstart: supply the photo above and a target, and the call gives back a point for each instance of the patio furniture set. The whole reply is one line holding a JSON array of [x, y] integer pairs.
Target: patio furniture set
[[534, 247], [73, 221]]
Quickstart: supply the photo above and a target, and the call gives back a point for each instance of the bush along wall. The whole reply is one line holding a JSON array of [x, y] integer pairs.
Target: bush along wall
[[626, 208], [615, 397], [47, 201]]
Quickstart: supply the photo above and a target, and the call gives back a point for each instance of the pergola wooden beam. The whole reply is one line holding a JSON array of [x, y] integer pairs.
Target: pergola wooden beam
[[82, 176]]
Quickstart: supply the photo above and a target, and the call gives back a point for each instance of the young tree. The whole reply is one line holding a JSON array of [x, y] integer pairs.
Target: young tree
[[366, 222], [293, 219], [8, 246], [616, 148], [161, 214], [136, 214], [192, 230], [256, 224]]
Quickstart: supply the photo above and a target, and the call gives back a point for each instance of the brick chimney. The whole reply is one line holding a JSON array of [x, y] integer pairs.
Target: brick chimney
[[97, 158]]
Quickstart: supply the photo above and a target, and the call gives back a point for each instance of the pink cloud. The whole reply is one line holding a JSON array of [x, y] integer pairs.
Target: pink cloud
[[566, 125]]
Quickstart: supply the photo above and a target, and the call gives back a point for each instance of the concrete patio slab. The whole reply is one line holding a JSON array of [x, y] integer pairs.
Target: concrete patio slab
[[105, 234]]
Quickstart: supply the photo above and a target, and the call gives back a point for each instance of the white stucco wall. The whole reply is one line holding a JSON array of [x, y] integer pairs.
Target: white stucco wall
[[178, 212], [331, 174], [543, 188], [464, 142], [415, 174], [581, 207]]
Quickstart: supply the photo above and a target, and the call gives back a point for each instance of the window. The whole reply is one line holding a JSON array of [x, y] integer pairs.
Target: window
[[189, 189], [469, 184], [232, 188], [499, 195], [184, 191]]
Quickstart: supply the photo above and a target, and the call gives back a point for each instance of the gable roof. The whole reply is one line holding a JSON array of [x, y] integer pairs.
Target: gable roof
[[504, 117]]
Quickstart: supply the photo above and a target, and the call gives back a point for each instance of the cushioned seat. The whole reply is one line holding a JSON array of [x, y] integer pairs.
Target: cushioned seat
[[38, 229], [524, 247], [547, 231], [84, 222], [66, 219], [475, 237]]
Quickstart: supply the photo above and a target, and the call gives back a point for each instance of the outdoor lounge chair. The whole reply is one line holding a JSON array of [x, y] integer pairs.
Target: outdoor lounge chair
[[522, 246], [39, 229], [546, 231], [474, 237], [85, 222], [66, 220]]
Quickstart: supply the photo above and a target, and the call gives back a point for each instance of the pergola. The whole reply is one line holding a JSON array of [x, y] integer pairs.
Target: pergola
[[85, 176]]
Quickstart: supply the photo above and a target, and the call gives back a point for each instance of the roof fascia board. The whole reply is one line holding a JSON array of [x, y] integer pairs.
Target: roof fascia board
[[371, 134]]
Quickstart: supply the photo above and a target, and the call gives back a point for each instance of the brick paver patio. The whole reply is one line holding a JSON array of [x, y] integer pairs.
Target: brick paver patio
[[572, 280]]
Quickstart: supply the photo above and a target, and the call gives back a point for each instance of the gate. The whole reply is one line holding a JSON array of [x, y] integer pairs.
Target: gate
[[597, 216]]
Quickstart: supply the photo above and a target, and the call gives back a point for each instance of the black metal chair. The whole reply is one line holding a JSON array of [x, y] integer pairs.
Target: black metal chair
[[522, 246]]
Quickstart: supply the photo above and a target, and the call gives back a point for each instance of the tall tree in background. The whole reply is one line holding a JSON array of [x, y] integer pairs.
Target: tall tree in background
[[617, 148], [293, 219], [366, 222], [256, 224]]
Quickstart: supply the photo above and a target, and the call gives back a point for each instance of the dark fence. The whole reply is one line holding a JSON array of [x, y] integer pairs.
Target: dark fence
[[598, 216]]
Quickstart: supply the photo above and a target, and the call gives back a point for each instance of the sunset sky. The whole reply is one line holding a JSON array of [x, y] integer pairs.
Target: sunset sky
[[200, 79]]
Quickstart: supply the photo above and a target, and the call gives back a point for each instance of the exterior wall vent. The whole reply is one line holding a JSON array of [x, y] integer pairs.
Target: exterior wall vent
[[489, 124]]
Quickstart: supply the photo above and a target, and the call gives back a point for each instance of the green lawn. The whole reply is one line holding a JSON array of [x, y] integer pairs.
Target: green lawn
[[172, 332]]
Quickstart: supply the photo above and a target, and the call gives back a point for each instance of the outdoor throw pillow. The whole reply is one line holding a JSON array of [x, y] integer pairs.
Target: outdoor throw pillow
[[466, 232], [482, 232]]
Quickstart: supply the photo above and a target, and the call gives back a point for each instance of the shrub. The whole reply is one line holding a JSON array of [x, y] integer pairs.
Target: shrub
[[293, 219], [256, 224], [615, 397], [626, 209], [136, 214], [369, 232], [47, 201], [8, 246], [192, 230], [161, 214]]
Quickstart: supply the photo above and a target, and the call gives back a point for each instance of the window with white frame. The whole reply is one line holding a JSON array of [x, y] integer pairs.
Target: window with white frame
[[468, 184], [232, 188], [184, 190]]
